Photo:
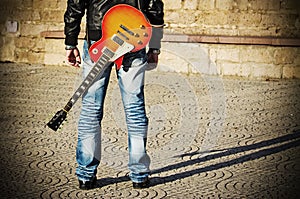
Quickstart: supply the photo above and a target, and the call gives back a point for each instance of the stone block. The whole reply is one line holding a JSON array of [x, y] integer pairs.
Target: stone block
[[266, 70], [235, 69], [44, 5], [54, 46], [25, 56], [245, 70], [27, 3], [230, 69], [7, 49], [190, 4], [24, 15], [230, 54], [35, 57], [55, 59], [21, 56], [245, 19], [31, 29], [52, 16], [25, 42], [291, 71], [286, 55], [171, 60], [242, 4], [212, 20], [206, 4], [224, 4], [62, 5], [257, 54], [264, 5], [172, 4], [172, 17], [195, 55]]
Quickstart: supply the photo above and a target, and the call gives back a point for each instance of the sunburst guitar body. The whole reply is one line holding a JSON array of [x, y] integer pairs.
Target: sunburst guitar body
[[126, 22]]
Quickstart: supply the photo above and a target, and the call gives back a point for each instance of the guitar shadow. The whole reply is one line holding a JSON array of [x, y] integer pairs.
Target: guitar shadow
[[281, 144]]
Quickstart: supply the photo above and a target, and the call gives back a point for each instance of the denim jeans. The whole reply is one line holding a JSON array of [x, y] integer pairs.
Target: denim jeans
[[131, 84]]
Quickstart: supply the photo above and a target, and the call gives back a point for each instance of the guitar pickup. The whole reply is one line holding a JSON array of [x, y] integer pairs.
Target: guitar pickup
[[124, 36], [118, 40], [127, 30]]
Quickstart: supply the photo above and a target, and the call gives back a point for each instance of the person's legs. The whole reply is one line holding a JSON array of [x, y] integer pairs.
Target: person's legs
[[131, 83], [88, 151]]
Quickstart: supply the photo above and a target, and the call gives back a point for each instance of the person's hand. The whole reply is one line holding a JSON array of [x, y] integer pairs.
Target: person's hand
[[73, 57], [152, 60]]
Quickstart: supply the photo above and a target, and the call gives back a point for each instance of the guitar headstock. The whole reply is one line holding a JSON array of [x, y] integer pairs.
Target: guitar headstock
[[57, 120]]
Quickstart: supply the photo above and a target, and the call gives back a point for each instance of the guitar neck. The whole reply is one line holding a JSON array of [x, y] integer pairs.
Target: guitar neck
[[105, 61], [98, 69]]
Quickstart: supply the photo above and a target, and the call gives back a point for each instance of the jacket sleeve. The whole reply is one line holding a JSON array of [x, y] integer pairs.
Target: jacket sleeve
[[72, 19], [155, 14]]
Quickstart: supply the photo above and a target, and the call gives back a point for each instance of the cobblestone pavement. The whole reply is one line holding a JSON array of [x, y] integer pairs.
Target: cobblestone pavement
[[209, 137]]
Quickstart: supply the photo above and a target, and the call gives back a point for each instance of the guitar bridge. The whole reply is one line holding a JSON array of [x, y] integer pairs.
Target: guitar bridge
[[124, 47]]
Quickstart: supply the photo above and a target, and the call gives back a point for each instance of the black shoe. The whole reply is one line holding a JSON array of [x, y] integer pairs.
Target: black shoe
[[86, 185], [141, 185]]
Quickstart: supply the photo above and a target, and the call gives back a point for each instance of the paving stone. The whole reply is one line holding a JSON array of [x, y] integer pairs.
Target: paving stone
[[209, 136]]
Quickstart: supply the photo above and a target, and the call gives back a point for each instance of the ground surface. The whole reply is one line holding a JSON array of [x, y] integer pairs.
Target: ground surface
[[209, 137]]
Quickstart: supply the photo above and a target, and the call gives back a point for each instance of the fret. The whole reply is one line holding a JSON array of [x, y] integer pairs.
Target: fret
[[69, 105], [98, 67], [82, 87], [78, 93], [105, 57], [92, 74], [103, 62]]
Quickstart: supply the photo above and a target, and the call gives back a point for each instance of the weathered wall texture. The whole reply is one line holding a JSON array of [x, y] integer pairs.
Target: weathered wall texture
[[276, 18], [234, 17], [33, 17]]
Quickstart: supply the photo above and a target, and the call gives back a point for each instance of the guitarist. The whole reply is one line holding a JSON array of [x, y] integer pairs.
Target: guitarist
[[130, 80]]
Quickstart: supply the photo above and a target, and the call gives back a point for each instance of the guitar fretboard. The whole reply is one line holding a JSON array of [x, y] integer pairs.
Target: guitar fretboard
[[97, 70]]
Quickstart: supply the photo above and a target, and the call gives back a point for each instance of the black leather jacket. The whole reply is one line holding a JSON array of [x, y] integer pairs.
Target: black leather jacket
[[95, 10]]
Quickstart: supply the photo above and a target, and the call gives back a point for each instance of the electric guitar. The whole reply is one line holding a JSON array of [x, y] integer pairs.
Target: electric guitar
[[124, 29]]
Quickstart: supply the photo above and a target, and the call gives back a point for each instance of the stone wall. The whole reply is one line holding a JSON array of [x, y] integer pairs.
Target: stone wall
[[234, 17], [249, 61], [32, 17], [23, 21]]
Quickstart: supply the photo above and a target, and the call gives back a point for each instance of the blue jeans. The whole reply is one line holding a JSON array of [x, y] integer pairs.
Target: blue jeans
[[131, 84]]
